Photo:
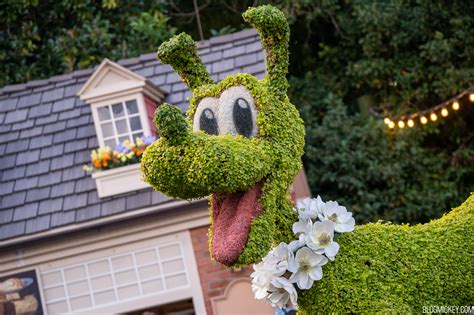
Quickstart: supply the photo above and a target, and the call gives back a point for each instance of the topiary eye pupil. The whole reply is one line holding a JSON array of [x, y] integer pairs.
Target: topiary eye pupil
[[208, 122], [243, 117]]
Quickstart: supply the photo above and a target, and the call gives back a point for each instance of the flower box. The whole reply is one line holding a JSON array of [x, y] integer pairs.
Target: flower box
[[119, 180]]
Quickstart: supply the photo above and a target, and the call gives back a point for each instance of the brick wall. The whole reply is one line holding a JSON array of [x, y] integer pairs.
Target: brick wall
[[214, 276]]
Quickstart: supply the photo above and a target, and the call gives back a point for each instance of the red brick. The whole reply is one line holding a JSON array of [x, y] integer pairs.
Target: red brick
[[214, 293], [213, 276]]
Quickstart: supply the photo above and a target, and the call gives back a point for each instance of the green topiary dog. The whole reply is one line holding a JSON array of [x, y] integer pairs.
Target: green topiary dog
[[242, 145], [244, 151]]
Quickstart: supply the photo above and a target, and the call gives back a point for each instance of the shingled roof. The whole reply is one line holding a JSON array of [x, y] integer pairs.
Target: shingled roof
[[47, 133]]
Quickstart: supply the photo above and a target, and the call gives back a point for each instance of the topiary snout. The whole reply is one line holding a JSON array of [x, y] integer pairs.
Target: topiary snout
[[187, 164]]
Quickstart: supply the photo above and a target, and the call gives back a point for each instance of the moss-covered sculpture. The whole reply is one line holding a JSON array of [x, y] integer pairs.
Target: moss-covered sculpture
[[242, 145], [248, 178], [385, 268]]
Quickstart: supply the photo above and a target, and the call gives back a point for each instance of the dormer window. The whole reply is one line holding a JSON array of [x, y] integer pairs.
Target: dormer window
[[120, 121], [122, 104]]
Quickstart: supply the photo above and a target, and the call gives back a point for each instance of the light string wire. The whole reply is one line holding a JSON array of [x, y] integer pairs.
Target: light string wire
[[424, 116]]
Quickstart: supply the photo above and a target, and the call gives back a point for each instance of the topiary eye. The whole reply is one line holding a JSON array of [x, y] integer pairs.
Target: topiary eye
[[208, 122], [242, 115], [237, 113]]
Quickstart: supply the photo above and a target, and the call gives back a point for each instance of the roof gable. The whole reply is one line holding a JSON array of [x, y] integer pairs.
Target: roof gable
[[111, 79]]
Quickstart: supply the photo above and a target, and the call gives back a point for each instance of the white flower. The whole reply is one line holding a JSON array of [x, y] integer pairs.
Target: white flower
[[261, 280], [309, 208], [303, 226], [315, 239], [320, 239], [307, 268], [344, 221], [282, 292], [300, 242], [277, 261]]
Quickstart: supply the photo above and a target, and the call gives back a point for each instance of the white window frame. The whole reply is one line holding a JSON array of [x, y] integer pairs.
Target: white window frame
[[122, 99], [125, 247]]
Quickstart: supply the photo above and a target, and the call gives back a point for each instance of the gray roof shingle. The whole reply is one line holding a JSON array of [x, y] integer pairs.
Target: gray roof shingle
[[47, 132]]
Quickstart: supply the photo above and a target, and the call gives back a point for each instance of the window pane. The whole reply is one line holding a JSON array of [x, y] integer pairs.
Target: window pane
[[137, 135], [122, 139], [135, 123], [99, 267], [107, 130], [118, 110], [121, 126], [75, 273], [110, 143], [104, 113], [132, 107]]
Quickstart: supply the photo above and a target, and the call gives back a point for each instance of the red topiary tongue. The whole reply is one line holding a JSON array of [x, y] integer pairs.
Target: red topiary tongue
[[232, 215]]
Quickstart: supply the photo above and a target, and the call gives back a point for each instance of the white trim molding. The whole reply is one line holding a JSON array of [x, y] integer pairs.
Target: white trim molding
[[111, 79], [119, 180], [157, 271], [111, 84]]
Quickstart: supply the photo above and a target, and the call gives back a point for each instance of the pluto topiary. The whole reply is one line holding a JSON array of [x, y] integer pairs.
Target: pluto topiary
[[242, 146]]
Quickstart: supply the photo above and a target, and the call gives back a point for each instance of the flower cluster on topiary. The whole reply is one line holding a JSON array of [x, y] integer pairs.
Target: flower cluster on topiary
[[300, 262]]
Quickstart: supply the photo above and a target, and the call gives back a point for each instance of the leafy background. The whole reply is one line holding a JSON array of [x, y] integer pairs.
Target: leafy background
[[347, 57]]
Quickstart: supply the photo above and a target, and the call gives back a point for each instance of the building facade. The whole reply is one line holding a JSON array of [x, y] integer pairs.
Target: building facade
[[75, 242]]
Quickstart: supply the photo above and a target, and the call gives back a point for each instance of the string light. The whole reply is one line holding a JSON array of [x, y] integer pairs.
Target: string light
[[430, 114]]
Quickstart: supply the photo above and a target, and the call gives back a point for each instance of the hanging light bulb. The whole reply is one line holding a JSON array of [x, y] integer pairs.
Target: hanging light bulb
[[444, 112], [386, 120], [391, 125], [410, 123], [424, 120], [471, 97], [456, 105], [401, 124], [433, 117]]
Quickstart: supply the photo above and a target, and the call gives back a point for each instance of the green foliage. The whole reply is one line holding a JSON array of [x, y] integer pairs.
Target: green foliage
[[170, 124], [84, 45], [377, 174], [194, 164], [407, 55], [149, 30], [180, 52], [274, 32], [384, 268], [43, 38]]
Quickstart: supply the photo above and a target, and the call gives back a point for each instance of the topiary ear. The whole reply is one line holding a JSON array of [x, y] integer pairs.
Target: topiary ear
[[274, 32], [180, 53]]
